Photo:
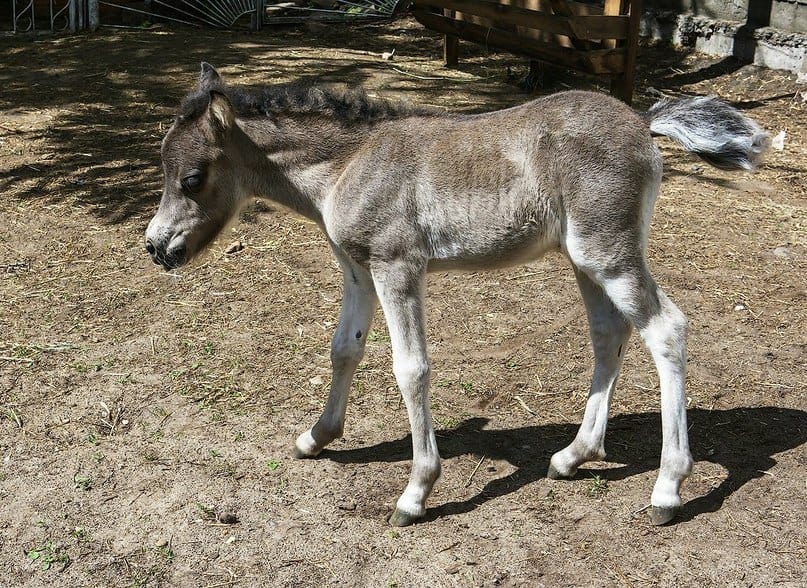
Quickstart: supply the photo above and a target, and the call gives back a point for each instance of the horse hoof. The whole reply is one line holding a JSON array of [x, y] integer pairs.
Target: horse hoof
[[306, 447], [661, 516], [300, 454], [553, 474], [398, 518]]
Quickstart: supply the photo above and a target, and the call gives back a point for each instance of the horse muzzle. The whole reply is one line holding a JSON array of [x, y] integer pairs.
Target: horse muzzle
[[170, 257], [165, 247]]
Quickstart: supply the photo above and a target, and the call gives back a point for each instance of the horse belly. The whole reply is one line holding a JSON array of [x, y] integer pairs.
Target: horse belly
[[480, 245]]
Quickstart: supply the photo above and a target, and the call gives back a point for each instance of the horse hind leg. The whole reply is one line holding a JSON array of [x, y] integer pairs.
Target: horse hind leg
[[664, 333], [663, 328], [609, 332], [617, 266]]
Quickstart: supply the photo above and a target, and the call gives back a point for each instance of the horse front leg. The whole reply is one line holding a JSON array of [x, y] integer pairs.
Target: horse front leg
[[347, 350], [400, 288]]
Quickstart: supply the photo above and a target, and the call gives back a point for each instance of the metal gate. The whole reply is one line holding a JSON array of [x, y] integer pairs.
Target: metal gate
[[76, 15], [56, 16]]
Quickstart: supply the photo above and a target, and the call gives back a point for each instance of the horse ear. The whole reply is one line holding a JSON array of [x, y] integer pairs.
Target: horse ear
[[221, 111], [209, 77]]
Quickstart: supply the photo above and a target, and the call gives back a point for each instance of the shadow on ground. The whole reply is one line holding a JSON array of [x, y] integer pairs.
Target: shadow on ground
[[742, 440], [106, 116]]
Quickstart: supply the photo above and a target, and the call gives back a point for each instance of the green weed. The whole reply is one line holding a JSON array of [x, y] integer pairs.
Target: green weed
[[597, 486], [47, 555]]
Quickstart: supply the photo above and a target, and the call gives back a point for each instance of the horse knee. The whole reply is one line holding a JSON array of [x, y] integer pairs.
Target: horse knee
[[411, 372], [345, 353]]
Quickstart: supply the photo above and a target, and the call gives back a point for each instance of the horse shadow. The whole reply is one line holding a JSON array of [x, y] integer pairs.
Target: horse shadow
[[742, 440]]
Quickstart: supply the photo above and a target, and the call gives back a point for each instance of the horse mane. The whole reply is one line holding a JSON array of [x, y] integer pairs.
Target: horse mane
[[349, 105]]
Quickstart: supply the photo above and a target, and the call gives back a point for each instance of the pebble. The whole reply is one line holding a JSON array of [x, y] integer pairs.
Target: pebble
[[228, 518], [783, 252], [234, 247]]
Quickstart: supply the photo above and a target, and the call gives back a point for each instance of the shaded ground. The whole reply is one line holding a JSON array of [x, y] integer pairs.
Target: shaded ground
[[146, 420]]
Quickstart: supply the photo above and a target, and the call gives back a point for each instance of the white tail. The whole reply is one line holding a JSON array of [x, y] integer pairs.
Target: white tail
[[710, 128]]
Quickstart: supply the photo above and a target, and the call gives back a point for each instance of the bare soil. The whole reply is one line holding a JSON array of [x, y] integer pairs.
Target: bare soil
[[147, 419]]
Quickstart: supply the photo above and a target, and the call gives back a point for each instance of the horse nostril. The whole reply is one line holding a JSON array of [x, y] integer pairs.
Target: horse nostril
[[179, 252], [150, 247]]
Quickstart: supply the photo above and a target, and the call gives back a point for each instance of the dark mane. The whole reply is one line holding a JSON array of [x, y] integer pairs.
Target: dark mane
[[347, 105]]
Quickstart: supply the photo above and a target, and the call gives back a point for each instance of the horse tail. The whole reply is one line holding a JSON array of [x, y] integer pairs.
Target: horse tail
[[711, 129]]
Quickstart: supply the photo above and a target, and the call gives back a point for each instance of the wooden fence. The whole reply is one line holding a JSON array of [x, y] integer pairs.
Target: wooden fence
[[596, 39]]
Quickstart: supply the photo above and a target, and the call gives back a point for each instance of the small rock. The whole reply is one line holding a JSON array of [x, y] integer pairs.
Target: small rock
[[346, 505], [783, 252], [778, 142], [228, 518], [739, 307], [316, 381], [234, 247]]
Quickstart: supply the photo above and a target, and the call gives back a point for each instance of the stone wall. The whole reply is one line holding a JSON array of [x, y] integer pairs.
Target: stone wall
[[770, 33]]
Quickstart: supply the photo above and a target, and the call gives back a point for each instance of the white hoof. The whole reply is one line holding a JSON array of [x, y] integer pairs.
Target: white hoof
[[306, 447]]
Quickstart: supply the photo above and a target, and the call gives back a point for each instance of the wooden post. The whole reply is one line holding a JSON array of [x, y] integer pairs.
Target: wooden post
[[74, 15], [611, 8], [451, 50], [622, 85], [451, 43]]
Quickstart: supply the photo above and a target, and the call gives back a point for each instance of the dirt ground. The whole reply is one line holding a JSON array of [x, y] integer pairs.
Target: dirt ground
[[147, 419]]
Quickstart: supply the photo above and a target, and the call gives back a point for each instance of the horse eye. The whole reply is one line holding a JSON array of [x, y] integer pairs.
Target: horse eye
[[192, 182]]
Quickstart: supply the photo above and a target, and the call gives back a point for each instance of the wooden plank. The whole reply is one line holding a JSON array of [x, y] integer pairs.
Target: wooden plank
[[583, 9], [611, 8], [622, 85], [451, 50], [608, 62], [561, 8], [577, 27]]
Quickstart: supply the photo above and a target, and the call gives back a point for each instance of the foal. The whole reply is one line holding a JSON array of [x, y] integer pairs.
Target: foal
[[400, 192]]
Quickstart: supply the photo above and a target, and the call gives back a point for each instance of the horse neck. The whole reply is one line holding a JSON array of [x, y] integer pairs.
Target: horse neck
[[302, 157]]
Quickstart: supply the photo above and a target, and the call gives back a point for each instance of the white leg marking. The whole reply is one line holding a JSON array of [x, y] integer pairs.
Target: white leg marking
[[347, 350], [664, 331], [665, 336], [400, 291]]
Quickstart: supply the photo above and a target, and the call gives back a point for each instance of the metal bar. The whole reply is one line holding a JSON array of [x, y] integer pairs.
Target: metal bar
[[93, 15], [257, 19], [236, 14], [73, 16], [213, 24], [60, 13], [217, 14], [193, 24]]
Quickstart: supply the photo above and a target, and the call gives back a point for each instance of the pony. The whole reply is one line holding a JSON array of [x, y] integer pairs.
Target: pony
[[401, 191]]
